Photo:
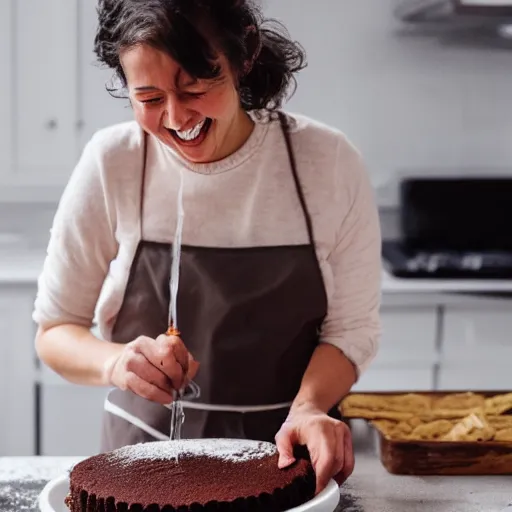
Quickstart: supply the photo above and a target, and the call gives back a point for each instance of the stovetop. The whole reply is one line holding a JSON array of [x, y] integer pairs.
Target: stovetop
[[403, 261]]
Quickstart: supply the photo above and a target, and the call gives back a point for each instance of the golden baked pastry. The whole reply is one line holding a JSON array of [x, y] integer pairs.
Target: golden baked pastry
[[422, 417], [472, 428], [409, 402], [504, 435], [459, 401], [431, 431], [498, 404]]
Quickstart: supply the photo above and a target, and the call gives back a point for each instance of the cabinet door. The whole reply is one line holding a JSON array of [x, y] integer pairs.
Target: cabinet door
[[46, 93], [478, 332], [408, 335], [6, 49], [97, 107], [477, 346], [71, 419], [17, 371]]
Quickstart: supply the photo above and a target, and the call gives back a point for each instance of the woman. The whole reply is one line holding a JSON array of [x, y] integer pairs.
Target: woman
[[280, 264]]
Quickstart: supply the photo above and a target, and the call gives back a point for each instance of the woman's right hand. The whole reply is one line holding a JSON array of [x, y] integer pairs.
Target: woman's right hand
[[152, 368]]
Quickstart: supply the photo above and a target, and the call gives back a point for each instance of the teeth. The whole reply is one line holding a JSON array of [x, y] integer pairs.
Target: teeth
[[192, 133]]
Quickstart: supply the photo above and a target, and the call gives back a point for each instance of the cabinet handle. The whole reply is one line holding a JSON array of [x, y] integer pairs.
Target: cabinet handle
[[51, 124]]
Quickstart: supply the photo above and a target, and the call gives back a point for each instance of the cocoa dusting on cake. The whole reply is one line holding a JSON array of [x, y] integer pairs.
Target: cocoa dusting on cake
[[209, 472], [236, 450]]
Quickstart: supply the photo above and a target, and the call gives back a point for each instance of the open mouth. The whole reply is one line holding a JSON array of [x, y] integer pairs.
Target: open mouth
[[194, 136]]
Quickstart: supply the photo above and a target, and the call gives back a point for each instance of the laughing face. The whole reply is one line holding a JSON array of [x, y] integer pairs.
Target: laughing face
[[202, 120]]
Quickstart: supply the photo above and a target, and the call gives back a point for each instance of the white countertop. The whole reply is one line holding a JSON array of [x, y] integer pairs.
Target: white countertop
[[391, 284], [370, 489], [24, 267]]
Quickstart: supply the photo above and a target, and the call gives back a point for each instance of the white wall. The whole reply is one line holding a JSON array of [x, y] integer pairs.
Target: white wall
[[409, 102]]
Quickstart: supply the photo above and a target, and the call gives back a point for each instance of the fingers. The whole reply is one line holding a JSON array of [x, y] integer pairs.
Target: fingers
[[147, 390], [339, 455], [193, 366], [322, 456], [330, 446], [169, 354], [173, 345], [284, 442], [349, 463], [152, 368], [140, 366]]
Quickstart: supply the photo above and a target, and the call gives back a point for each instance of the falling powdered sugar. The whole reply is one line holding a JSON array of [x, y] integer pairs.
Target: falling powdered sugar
[[229, 450]]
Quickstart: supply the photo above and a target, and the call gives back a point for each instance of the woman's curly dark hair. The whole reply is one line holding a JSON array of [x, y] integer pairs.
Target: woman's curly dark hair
[[192, 32]]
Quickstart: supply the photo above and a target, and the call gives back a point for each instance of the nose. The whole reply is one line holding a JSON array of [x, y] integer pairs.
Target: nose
[[175, 115]]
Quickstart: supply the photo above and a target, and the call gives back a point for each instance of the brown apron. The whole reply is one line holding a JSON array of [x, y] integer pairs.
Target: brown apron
[[250, 316]]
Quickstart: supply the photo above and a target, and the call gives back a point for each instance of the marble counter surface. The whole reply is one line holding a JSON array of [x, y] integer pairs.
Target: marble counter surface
[[23, 478], [369, 489]]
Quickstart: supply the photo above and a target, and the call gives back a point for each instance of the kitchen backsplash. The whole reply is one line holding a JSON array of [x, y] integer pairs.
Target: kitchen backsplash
[[412, 101]]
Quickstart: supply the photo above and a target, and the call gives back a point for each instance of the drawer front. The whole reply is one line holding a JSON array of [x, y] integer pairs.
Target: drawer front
[[71, 419], [408, 334], [476, 332], [397, 378], [17, 372]]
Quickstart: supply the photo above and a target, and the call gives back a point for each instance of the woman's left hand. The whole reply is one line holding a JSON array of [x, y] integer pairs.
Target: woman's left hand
[[328, 440]]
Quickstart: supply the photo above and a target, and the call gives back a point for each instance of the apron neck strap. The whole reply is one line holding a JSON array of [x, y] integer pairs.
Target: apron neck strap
[[291, 156], [300, 192], [143, 181]]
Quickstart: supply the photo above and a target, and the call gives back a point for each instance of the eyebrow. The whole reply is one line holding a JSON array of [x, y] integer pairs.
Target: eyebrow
[[145, 88]]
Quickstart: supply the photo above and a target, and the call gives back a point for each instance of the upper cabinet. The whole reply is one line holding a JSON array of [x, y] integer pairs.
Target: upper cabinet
[[53, 92], [45, 95], [6, 64], [97, 108]]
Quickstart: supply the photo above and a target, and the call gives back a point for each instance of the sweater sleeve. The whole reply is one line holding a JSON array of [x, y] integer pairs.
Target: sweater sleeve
[[353, 323], [82, 245]]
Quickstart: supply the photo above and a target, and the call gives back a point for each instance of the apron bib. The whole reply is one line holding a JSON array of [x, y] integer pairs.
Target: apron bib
[[250, 316]]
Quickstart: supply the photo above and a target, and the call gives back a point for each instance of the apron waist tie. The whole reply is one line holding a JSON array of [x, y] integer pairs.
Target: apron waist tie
[[233, 408], [138, 422], [134, 420]]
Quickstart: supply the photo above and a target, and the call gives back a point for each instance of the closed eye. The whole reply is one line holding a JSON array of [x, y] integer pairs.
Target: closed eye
[[194, 95], [151, 101]]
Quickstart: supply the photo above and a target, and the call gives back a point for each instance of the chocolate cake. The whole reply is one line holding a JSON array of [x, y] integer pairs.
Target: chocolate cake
[[190, 476]]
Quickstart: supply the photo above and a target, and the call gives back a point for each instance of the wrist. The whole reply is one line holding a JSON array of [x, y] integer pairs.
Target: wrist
[[307, 404], [109, 362]]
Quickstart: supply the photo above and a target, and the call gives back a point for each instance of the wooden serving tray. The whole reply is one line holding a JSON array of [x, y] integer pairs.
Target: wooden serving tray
[[440, 457]]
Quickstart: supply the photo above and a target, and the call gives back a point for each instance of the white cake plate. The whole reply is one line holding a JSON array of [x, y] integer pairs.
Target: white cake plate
[[52, 497]]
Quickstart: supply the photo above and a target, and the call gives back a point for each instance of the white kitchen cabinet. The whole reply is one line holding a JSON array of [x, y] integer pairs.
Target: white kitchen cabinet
[[407, 353], [71, 419], [97, 107], [17, 371], [477, 346], [479, 331], [408, 334], [6, 47], [45, 96], [53, 91]]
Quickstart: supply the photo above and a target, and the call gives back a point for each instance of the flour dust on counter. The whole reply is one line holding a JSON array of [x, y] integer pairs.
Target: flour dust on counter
[[31, 469], [23, 478], [349, 502], [19, 496]]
